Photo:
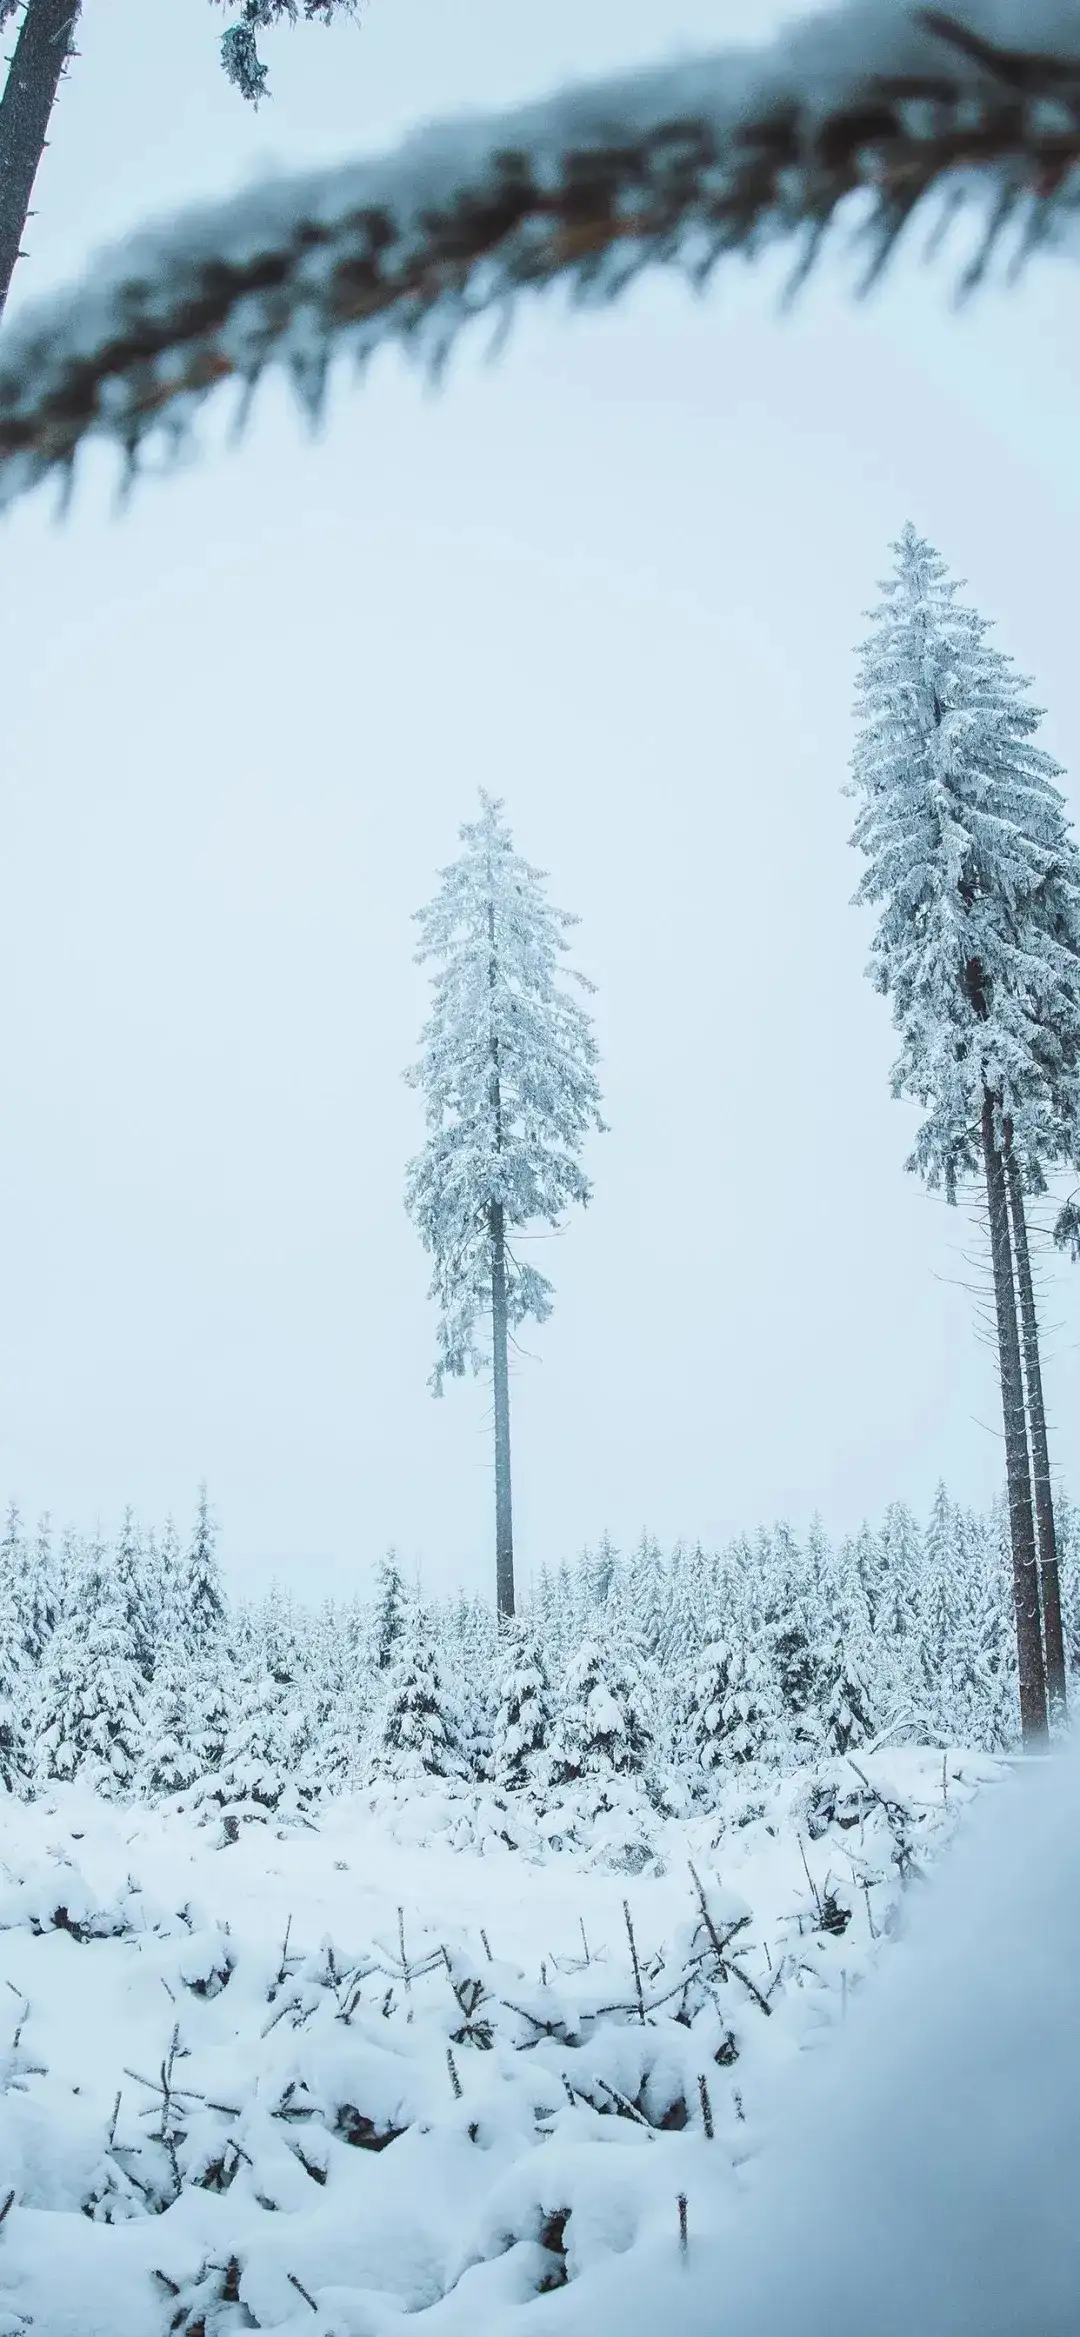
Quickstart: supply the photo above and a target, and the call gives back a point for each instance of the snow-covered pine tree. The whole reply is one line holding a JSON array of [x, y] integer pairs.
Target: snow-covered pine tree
[[683, 1629], [12, 1544], [891, 1600], [940, 1622], [134, 1589], [414, 1734], [211, 1705], [469, 1647], [562, 1621], [796, 1635], [524, 1722], [172, 1758], [729, 1714], [647, 1586], [507, 1071], [17, 1713], [604, 1724], [93, 1691], [339, 1694], [203, 1595], [973, 866], [16, 1677], [846, 1705], [37, 1597], [391, 1610], [982, 1688], [599, 1569], [257, 1777]]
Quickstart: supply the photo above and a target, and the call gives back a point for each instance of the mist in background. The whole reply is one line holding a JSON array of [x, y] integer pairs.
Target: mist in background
[[616, 578]]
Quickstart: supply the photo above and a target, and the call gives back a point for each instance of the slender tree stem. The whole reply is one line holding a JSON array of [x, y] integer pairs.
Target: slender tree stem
[[1021, 1526], [504, 1510], [41, 51], [504, 1515], [1049, 1578]]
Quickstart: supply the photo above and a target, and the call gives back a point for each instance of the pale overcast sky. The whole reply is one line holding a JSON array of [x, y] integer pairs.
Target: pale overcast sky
[[617, 578]]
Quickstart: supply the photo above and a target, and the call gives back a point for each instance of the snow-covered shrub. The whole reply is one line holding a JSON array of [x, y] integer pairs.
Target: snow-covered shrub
[[524, 1722], [730, 1715], [604, 1722], [414, 1735]]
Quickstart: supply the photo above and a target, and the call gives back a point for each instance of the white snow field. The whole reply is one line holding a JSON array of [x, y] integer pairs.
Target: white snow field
[[325, 2078]]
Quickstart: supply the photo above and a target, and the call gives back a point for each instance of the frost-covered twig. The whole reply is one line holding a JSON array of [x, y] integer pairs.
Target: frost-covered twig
[[624, 2105], [304, 2292], [634, 1960], [677, 166]]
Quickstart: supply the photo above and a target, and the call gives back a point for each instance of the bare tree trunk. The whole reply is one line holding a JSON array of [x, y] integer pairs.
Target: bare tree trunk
[[1021, 1527], [504, 1515], [1050, 1582], [504, 1511], [43, 45]]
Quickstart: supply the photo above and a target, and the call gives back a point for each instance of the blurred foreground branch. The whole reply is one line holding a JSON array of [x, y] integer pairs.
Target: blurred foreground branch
[[675, 167]]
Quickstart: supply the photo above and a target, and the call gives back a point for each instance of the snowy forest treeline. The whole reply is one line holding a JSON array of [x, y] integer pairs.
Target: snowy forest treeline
[[127, 1667]]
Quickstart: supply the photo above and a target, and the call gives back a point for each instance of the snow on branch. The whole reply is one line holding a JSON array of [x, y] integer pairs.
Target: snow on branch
[[677, 166]]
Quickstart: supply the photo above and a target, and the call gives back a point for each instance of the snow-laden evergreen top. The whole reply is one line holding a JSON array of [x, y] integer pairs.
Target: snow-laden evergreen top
[[507, 1071], [972, 861], [674, 166]]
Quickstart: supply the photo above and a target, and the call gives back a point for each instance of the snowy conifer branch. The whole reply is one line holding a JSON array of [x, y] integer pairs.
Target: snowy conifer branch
[[239, 46], [678, 166]]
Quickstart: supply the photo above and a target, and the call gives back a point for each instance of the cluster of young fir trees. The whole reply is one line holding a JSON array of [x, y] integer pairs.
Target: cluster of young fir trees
[[973, 866], [124, 1667]]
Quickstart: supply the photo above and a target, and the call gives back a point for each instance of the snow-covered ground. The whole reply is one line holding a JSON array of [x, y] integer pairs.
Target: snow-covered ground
[[323, 2078]]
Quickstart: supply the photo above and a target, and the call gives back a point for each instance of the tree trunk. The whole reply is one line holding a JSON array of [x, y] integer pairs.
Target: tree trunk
[[43, 45], [1021, 1527], [1050, 1583], [504, 1515]]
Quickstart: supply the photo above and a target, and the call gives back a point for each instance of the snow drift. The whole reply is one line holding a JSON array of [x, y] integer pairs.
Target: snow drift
[[925, 2179], [316, 2080]]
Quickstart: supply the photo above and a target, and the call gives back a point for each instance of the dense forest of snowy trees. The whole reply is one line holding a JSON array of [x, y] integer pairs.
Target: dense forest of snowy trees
[[125, 1667]]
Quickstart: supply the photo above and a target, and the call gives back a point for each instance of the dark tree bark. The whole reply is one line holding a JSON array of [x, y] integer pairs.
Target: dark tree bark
[[504, 1512], [504, 1515], [43, 45], [1049, 1577], [1029, 1646]]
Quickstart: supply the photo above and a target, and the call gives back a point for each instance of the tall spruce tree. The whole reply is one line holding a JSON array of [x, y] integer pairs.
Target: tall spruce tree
[[974, 869], [507, 1071]]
